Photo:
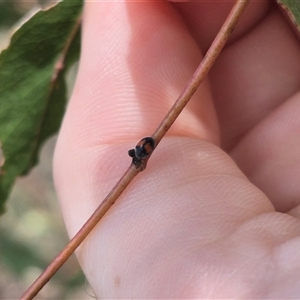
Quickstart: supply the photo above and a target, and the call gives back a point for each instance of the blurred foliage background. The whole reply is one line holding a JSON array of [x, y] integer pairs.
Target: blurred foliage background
[[32, 231]]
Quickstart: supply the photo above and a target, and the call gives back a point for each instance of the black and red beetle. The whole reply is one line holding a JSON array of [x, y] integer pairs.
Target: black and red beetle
[[142, 150]]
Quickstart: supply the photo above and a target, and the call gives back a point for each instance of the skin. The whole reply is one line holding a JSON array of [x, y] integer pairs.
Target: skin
[[216, 213]]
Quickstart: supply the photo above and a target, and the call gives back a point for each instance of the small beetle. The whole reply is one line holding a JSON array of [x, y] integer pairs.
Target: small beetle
[[142, 150]]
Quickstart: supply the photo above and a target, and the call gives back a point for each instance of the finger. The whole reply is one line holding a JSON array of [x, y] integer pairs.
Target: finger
[[204, 19], [254, 76], [263, 100], [269, 155], [242, 68]]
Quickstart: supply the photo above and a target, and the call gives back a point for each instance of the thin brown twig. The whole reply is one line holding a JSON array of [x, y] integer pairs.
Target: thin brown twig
[[133, 170]]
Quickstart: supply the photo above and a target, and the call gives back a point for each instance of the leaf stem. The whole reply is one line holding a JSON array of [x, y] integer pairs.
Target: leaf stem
[[59, 65], [159, 133]]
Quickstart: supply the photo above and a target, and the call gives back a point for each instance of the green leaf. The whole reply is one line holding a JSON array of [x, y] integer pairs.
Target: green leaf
[[292, 7], [33, 88]]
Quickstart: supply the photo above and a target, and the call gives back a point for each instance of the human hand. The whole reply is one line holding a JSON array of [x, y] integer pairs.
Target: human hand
[[192, 225]]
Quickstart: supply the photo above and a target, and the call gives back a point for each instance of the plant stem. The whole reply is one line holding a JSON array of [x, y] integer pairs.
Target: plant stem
[[159, 133]]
